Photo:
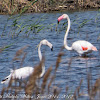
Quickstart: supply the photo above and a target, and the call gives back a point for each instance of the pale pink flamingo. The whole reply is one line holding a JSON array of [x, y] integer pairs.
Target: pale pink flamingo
[[80, 46]]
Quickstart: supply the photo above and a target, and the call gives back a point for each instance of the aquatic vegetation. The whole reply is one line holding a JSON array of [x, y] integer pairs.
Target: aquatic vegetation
[[5, 47], [26, 27]]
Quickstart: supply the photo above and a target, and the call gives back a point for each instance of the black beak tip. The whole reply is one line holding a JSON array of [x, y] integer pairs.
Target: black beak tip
[[52, 49], [58, 22]]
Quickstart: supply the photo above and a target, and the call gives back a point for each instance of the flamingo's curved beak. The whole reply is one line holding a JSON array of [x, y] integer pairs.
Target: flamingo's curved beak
[[60, 18], [52, 48], [57, 21]]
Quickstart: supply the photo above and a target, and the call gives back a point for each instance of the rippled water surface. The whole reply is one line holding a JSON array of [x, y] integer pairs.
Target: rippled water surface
[[84, 25]]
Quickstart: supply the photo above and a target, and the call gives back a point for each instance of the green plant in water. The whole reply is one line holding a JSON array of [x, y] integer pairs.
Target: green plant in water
[[26, 27], [5, 47]]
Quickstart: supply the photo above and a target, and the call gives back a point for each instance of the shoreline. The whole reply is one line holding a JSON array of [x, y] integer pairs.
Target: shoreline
[[35, 6]]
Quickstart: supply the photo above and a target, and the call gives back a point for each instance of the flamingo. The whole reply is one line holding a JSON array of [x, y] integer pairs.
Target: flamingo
[[25, 72], [81, 46]]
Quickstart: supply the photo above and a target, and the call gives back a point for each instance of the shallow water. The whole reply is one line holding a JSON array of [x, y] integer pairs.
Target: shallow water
[[84, 26]]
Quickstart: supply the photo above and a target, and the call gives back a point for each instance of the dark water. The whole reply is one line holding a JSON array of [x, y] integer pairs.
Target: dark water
[[84, 26]]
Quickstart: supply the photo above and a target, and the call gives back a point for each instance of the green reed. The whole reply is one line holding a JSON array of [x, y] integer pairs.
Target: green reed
[[25, 27]]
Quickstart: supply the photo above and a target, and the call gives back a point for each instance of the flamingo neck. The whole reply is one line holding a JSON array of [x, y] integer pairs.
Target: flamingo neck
[[66, 34], [40, 57], [39, 52]]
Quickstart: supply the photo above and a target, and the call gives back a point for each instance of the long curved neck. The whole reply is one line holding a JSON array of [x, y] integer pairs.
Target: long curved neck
[[39, 52], [40, 57], [66, 34]]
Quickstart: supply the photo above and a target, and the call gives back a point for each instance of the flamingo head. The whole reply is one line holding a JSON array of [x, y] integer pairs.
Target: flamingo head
[[45, 42], [64, 16]]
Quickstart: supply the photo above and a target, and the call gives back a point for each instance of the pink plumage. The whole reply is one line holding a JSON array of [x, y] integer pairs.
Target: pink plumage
[[80, 46]]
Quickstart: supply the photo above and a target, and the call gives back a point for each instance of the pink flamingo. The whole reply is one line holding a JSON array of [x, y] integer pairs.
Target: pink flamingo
[[81, 46]]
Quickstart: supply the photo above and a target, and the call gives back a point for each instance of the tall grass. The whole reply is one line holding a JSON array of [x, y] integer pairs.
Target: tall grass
[[21, 6], [16, 6]]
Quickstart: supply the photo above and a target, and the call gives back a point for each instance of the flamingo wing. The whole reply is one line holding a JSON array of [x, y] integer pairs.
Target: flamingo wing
[[83, 47], [22, 72]]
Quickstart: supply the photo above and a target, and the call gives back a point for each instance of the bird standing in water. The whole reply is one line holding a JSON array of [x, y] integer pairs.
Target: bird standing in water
[[81, 46], [25, 72]]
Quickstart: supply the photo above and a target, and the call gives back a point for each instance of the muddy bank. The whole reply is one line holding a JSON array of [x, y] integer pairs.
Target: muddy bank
[[22, 6]]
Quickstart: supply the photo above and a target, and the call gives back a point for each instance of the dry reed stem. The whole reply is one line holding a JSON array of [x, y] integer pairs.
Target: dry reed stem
[[76, 93], [2, 92], [52, 78], [70, 62], [58, 60], [88, 82], [67, 89], [95, 88], [33, 78], [46, 77], [78, 88], [19, 53], [7, 5], [74, 96], [23, 58], [1, 50], [10, 83], [56, 91], [57, 65]]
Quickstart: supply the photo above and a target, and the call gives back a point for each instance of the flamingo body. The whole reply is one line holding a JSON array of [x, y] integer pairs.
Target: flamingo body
[[80, 46], [83, 47], [25, 72], [20, 73]]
